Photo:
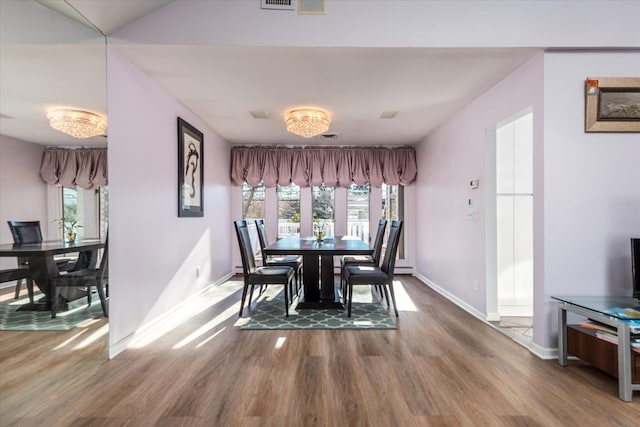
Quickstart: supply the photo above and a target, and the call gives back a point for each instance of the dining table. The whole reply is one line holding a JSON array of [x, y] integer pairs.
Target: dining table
[[317, 264], [43, 267]]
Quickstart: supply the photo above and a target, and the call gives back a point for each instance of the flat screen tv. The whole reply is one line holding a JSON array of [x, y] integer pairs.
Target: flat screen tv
[[635, 266]]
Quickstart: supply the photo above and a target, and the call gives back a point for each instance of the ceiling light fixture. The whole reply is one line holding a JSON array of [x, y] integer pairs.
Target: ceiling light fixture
[[77, 123], [307, 122]]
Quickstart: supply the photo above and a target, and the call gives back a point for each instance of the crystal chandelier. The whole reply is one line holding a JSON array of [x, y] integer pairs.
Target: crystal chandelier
[[307, 122], [77, 123]]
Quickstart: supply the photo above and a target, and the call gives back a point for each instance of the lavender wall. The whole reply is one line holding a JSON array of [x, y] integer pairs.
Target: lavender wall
[[154, 254], [592, 185], [450, 247], [586, 189], [23, 194]]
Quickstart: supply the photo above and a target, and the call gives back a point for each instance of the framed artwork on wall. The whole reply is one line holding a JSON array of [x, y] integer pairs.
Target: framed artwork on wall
[[612, 104], [190, 170]]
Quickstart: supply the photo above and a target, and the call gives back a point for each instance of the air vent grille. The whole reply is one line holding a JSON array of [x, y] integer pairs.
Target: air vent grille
[[278, 4]]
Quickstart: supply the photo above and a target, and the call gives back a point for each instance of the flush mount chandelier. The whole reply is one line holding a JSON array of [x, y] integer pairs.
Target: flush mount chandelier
[[77, 123], [307, 122]]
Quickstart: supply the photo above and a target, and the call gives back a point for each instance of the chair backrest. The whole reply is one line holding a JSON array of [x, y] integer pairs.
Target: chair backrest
[[263, 238], [25, 231], [246, 251], [389, 262], [377, 243]]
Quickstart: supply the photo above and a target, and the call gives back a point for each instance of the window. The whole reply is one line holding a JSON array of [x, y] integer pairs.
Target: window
[[72, 206], [253, 201], [288, 211], [358, 211], [322, 207], [393, 209]]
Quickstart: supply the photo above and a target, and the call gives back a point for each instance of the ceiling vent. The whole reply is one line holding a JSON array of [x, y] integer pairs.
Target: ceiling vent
[[278, 4]]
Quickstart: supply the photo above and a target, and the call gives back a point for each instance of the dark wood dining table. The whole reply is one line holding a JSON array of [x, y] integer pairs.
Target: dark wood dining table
[[317, 263], [42, 265]]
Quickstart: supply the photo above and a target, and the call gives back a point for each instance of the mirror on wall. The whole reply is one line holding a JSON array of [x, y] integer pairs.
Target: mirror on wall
[[48, 60]]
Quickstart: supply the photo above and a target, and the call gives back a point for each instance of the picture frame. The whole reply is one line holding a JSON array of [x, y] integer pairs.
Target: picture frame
[[190, 170], [612, 104]]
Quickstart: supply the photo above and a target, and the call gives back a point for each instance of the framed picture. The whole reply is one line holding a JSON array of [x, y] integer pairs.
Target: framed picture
[[612, 104], [190, 170]]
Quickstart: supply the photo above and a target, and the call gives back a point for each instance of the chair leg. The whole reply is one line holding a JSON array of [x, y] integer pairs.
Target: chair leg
[[251, 295], [30, 290], [103, 302], [386, 295], [55, 295], [286, 298], [393, 298], [18, 286], [244, 296], [349, 299]]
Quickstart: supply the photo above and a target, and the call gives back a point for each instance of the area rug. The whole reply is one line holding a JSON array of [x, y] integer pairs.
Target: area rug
[[367, 312], [78, 314]]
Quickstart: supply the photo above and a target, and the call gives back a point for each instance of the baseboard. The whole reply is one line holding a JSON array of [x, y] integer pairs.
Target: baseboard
[[154, 326], [454, 299], [541, 352]]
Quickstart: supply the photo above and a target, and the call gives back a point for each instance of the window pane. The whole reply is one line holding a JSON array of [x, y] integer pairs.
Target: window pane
[[253, 201], [393, 209], [72, 209], [322, 206], [358, 211], [288, 211]]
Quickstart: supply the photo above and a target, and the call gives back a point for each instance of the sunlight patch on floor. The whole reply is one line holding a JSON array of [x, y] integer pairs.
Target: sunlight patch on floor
[[402, 297], [98, 334], [211, 324], [195, 306]]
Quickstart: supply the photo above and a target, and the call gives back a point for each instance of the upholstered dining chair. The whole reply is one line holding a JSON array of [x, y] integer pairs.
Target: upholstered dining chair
[[373, 275], [259, 276], [31, 232], [85, 279], [294, 262], [25, 232], [373, 259]]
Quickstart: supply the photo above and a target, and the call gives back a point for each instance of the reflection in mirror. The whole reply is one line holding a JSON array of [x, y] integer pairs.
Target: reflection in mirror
[[48, 60]]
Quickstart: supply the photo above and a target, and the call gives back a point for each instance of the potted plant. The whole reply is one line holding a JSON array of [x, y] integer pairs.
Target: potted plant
[[318, 230], [69, 228]]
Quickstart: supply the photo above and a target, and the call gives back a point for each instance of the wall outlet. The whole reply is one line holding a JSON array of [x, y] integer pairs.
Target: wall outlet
[[476, 285]]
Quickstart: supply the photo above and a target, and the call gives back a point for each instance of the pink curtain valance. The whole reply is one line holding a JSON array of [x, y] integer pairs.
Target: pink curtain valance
[[83, 167], [331, 166]]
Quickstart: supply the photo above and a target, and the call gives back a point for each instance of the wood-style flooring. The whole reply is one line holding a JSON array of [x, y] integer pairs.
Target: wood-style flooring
[[441, 367]]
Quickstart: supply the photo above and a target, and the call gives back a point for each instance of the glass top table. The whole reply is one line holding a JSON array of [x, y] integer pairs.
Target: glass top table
[[618, 312]]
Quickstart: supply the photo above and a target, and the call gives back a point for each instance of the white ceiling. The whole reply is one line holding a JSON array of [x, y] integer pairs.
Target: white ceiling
[[223, 85]]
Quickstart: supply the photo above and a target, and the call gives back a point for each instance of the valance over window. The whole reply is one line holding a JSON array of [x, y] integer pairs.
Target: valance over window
[[84, 167], [331, 166]]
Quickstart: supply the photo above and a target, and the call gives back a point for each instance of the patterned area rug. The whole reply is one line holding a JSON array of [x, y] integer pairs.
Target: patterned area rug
[[367, 312], [13, 320]]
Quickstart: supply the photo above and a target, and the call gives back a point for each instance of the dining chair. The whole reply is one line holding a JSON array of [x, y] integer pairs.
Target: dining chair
[[259, 276], [18, 275], [85, 279], [31, 232], [373, 275], [25, 232], [373, 259], [294, 262]]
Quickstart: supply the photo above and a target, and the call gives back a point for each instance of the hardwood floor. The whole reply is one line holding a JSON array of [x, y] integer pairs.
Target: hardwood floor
[[441, 367]]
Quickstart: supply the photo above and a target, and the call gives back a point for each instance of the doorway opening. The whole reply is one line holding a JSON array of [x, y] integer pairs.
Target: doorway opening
[[510, 226]]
